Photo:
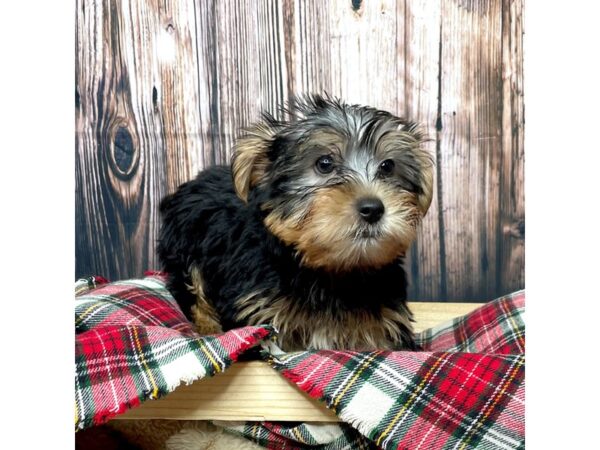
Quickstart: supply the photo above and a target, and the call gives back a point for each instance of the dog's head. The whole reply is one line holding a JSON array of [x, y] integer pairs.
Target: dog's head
[[345, 185]]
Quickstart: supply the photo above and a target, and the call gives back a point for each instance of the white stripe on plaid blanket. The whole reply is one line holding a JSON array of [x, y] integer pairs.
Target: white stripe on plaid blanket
[[162, 355], [311, 373], [245, 341], [406, 414], [223, 366], [166, 349], [476, 422], [145, 283], [185, 369], [79, 405], [449, 406], [114, 301], [515, 331], [360, 363], [110, 377], [443, 328], [394, 376], [468, 342], [138, 362], [433, 402], [90, 316]]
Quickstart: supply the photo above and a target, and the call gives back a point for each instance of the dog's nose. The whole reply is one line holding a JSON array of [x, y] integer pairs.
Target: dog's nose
[[370, 209]]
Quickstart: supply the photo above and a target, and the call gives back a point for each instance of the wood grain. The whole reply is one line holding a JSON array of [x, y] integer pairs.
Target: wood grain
[[430, 314], [419, 86], [511, 224], [163, 87], [470, 144], [136, 138], [245, 391], [255, 391]]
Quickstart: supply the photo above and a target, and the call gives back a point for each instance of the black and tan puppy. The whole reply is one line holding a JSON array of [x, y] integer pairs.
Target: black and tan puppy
[[306, 230]]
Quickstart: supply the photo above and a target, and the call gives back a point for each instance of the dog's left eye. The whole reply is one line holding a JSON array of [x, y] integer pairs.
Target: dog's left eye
[[387, 167], [324, 164]]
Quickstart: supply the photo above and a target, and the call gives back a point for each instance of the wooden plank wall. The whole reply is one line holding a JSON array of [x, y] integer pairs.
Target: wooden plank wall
[[163, 86]]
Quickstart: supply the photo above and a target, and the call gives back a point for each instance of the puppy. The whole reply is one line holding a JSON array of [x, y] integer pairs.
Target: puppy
[[305, 231]]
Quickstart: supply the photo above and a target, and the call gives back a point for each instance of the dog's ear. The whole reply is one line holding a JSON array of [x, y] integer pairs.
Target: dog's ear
[[250, 158], [425, 162], [426, 196]]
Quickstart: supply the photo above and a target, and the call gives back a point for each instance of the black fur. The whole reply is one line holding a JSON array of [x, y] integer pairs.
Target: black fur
[[206, 224]]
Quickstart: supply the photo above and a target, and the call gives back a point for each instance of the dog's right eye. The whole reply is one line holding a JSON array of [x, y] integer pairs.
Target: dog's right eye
[[324, 164]]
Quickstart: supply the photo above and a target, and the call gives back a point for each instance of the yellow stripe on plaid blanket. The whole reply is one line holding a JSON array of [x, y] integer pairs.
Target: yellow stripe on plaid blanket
[[412, 398], [492, 404], [364, 365], [146, 368], [85, 313], [206, 351]]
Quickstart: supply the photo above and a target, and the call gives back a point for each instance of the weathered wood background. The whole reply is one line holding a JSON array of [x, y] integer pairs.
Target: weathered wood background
[[163, 86]]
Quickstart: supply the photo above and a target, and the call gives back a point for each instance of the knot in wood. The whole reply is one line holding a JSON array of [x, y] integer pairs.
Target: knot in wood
[[123, 156]]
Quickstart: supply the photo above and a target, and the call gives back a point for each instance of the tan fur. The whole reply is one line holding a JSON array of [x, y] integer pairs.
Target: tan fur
[[204, 315], [206, 436], [249, 158], [326, 235], [149, 434], [426, 181], [160, 434], [299, 329], [325, 138]]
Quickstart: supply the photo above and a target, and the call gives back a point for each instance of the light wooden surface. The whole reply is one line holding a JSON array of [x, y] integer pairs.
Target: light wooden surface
[[255, 391], [431, 314], [245, 391], [162, 88]]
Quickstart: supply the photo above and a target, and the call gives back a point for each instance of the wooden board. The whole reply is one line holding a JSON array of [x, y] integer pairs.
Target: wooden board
[[255, 391], [162, 88], [246, 391]]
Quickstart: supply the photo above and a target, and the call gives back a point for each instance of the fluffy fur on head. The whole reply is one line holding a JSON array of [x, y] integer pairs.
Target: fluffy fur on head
[[307, 228]]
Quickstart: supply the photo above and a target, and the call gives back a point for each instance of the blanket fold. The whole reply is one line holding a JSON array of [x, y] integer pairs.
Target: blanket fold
[[465, 389], [133, 343]]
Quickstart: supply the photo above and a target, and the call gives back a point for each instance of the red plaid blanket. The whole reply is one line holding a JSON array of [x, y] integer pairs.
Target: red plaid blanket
[[133, 343], [465, 389]]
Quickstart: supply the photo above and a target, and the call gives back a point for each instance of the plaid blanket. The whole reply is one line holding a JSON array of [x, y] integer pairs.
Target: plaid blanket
[[133, 343], [284, 435], [464, 389]]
